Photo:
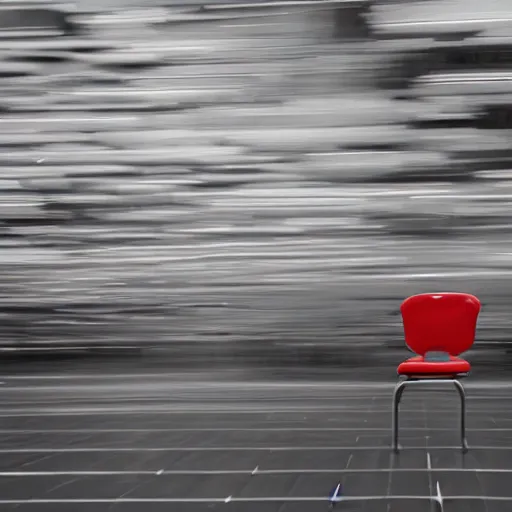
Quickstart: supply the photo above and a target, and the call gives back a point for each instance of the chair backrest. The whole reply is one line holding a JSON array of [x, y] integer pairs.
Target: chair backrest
[[440, 322]]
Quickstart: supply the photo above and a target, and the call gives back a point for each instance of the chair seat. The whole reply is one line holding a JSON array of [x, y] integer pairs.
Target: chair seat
[[417, 365]]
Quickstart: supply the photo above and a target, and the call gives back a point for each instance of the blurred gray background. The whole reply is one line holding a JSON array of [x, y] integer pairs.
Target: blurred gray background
[[259, 182]]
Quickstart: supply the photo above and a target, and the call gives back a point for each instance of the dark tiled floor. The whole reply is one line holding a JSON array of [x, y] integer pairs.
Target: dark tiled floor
[[264, 458]]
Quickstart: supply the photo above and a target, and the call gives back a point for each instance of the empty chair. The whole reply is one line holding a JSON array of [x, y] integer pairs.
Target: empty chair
[[438, 328]]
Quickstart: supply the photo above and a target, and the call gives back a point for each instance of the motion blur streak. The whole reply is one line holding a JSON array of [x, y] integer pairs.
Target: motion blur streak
[[264, 181]]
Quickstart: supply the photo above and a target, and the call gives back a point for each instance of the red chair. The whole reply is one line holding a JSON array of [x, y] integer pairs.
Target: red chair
[[438, 327]]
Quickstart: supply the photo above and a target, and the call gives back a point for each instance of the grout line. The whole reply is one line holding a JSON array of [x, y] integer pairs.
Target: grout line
[[429, 470], [133, 411], [277, 499], [235, 449], [170, 378], [390, 480], [255, 472], [84, 395], [241, 429]]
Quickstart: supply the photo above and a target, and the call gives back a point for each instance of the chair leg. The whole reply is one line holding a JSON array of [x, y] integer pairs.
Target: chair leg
[[462, 394], [397, 396]]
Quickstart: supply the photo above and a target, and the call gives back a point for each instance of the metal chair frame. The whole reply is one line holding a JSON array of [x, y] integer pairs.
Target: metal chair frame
[[410, 381]]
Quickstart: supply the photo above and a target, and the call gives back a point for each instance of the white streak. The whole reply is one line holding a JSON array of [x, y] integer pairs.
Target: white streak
[[439, 497]]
